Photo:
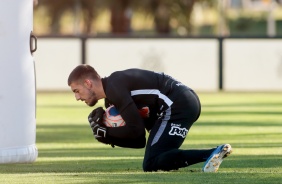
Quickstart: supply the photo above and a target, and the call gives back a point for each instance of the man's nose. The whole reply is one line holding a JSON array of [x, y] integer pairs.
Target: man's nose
[[77, 96]]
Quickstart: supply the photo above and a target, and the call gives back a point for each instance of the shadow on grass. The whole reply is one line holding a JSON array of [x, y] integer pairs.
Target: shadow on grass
[[63, 133], [74, 166], [109, 165], [117, 165], [107, 151]]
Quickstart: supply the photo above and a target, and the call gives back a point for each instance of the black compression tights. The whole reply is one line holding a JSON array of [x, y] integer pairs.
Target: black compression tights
[[174, 159]]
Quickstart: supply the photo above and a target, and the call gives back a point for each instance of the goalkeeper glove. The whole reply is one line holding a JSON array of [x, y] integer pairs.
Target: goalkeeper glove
[[99, 130]]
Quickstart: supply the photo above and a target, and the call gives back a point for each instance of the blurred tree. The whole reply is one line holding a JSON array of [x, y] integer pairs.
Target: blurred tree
[[85, 11], [88, 14], [55, 10], [162, 14], [81, 9], [164, 11], [182, 11], [120, 16]]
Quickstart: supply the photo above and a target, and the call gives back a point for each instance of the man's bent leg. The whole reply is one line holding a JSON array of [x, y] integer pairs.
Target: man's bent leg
[[168, 134], [174, 159]]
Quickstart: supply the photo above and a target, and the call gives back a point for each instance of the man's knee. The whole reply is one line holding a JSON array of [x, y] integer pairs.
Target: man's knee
[[155, 165], [148, 166], [170, 160]]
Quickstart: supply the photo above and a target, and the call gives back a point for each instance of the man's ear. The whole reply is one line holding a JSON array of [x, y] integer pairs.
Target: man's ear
[[88, 83]]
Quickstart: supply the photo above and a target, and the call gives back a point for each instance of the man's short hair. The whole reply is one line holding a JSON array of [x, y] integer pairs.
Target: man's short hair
[[82, 72]]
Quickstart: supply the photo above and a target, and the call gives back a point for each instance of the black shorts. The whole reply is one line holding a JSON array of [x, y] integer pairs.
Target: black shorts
[[170, 130]]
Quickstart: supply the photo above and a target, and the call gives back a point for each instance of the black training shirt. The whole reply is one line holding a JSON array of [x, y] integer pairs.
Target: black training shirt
[[132, 89]]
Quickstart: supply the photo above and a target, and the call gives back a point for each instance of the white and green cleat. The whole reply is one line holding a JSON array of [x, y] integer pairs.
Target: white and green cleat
[[213, 162]]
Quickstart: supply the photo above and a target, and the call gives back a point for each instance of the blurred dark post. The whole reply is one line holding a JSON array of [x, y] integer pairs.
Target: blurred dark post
[[120, 17], [222, 32], [83, 50]]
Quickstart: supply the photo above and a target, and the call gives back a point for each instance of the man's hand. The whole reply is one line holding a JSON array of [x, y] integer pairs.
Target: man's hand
[[99, 130], [96, 116]]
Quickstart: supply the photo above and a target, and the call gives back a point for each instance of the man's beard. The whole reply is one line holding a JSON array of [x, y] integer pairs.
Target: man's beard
[[93, 99]]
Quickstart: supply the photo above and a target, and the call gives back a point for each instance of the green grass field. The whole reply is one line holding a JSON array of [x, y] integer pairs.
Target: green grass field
[[68, 153]]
